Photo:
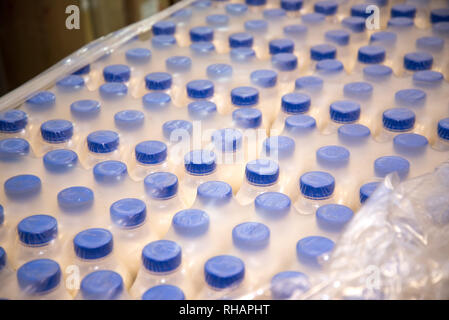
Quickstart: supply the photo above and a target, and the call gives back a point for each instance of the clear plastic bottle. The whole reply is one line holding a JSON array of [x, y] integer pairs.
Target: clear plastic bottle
[[291, 104], [131, 231], [244, 97], [262, 175], [13, 124], [258, 28], [312, 253], [101, 145], [286, 285], [164, 292], [286, 64], [442, 141], [37, 239], [40, 280], [132, 127], [102, 285], [55, 134], [149, 157], [181, 68], [222, 75], [331, 219], [316, 189], [342, 112], [388, 164], [266, 81], [394, 121], [40, 107], [366, 190], [162, 263], [6, 275]]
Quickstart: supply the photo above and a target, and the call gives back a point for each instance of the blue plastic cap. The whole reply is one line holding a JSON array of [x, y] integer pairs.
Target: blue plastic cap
[[272, 205], [264, 78], [384, 38], [191, 223], [2, 216], [219, 71], [284, 61], [217, 20], [163, 41], [178, 64], [13, 149], [355, 24], [110, 171], [3, 258], [201, 34], [174, 130], [247, 118], [182, 14], [410, 144], [274, 13], [371, 54], [291, 5], [262, 172], [439, 15], [251, 236], [60, 160], [310, 249], [244, 96], [432, 44], [403, 10], [299, 124], [323, 51], [242, 54], [93, 243], [13, 121], [340, 37], [70, 83], [224, 271], [76, 199], [287, 283], [294, 103], [398, 119], [281, 147], [236, 9], [215, 193], [113, 90], [309, 83], [103, 141], [333, 217], [102, 285], [313, 18], [328, 8], [117, 73], [82, 71], [128, 212], [443, 129], [85, 109], [164, 28], [202, 48], [22, 186], [151, 152], [317, 185], [329, 66], [256, 2], [200, 89], [42, 100], [281, 46], [410, 97], [359, 10], [256, 26], [358, 90], [353, 133], [138, 55], [344, 111], [377, 72], [441, 29], [156, 100], [227, 140], [57, 131], [428, 79], [129, 119], [295, 31], [164, 292], [37, 230], [241, 39], [161, 185], [202, 110], [367, 190], [400, 23], [333, 157], [200, 162], [417, 61], [158, 81], [39, 276], [388, 164]]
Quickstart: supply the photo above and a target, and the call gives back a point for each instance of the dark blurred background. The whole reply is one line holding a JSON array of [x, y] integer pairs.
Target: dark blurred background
[[33, 33]]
